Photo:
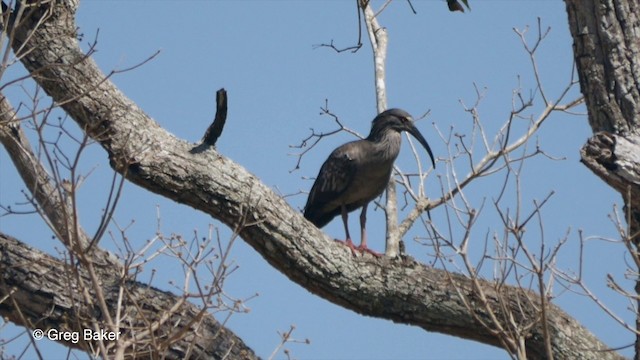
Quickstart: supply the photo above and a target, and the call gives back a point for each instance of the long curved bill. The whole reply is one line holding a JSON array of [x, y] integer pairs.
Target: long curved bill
[[416, 134]]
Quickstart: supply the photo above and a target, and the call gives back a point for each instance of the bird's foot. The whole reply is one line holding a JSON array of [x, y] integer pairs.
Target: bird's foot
[[348, 243], [363, 248], [358, 249]]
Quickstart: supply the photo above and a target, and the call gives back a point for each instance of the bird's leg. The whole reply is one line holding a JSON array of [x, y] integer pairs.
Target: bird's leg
[[345, 221], [363, 232]]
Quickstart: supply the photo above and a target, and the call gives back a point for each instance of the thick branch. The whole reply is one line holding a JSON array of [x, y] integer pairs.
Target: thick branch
[[51, 200], [34, 284], [607, 54], [399, 290], [615, 159]]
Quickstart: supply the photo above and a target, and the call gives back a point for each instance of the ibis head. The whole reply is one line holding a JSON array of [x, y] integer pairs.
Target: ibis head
[[357, 172], [397, 120]]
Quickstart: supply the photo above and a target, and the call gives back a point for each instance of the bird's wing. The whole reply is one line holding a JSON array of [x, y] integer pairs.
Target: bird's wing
[[334, 178]]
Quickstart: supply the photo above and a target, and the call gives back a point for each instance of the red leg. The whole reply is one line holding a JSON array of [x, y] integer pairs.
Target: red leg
[[363, 232], [345, 221]]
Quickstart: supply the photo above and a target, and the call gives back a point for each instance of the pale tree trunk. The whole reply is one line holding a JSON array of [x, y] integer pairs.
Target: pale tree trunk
[[606, 35], [401, 290]]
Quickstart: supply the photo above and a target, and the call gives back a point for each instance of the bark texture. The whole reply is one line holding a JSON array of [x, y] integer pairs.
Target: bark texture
[[606, 36], [607, 53], [606, 49], [400, 290], [37, 292]]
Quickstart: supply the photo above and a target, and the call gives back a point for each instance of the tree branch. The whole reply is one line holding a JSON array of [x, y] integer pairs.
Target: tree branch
[[209, 182], [31, 286], [607, 56], [215, 130]]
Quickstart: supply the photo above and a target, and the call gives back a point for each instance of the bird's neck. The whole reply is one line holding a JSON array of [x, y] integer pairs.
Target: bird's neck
[[386, 144]]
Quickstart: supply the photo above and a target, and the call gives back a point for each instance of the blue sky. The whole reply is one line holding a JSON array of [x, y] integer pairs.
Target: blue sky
[[263, 53]]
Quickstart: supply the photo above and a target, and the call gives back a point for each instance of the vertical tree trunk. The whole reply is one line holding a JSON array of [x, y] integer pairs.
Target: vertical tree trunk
[[606, 46]]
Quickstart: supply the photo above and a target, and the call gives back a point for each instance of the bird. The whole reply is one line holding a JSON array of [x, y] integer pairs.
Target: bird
[[357, 172], [454, 5]]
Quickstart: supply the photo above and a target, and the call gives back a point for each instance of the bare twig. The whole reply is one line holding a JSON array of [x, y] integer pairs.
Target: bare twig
[[312, 140]]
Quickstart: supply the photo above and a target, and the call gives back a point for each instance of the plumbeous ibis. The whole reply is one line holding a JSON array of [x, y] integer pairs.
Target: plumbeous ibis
[[358, 172]]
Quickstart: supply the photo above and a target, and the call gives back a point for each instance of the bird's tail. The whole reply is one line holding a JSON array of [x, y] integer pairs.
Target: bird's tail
[[319, 218]]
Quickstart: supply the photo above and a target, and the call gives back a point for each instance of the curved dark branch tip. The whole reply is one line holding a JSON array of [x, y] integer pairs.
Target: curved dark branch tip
[[215, 130]]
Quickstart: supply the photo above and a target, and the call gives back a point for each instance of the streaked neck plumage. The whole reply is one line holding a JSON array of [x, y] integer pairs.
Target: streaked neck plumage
[[386, 142]]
